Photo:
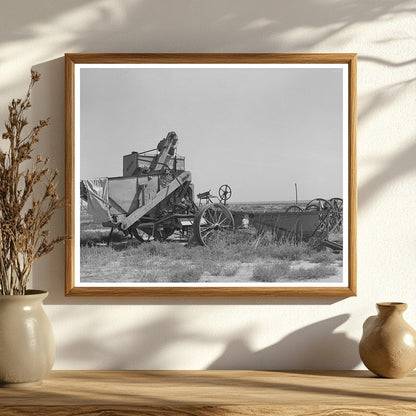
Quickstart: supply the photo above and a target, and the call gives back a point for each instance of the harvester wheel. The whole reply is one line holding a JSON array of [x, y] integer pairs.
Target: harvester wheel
[[325, 210], [138, 234], [224, 193], [337, 213], [336, 203], [210, 222], [312, 207], [321, 203], [294, 208], [164, 233]]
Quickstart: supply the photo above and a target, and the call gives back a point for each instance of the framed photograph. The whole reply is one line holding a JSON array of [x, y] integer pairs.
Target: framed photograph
[[211, 174]]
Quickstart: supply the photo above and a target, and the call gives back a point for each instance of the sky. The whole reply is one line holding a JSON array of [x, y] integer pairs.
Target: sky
[[259, 130]]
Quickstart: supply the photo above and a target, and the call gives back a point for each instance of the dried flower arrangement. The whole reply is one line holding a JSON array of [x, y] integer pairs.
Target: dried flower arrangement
[[28, 199]]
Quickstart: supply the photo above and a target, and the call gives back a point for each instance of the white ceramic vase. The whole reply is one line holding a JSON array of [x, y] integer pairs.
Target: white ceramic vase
[[27, 347]]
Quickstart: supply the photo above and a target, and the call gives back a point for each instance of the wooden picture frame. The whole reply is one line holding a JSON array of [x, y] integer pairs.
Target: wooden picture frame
[[317, 92]]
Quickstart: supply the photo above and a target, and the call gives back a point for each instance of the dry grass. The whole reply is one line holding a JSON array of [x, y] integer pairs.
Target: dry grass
[[176, 262], [230, 269], [98, 256], [271, 272], [314, 273], [282, 271], [186, 274], [323, 256]]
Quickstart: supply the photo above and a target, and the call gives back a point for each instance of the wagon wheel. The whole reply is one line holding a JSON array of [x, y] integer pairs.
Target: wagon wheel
[[294, 208], [138, 234], [210, 222], [312, 207], [224, 193], [321, 203], [325, 209], [163, 233], [337, 203]]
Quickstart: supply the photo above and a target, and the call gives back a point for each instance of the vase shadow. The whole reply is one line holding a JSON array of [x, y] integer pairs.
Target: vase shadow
[[313, 347]]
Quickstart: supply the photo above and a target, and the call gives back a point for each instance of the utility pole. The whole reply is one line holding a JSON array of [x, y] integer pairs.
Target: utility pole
[[296, 192]]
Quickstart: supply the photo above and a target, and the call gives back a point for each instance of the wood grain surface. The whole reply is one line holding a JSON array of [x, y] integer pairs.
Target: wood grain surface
[[202, 393]]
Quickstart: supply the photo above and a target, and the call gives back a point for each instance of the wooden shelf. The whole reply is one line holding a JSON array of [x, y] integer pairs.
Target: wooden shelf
[[202, 393]]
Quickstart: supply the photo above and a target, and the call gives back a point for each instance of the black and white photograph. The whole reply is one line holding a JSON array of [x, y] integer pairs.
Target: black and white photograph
[[211, 175]]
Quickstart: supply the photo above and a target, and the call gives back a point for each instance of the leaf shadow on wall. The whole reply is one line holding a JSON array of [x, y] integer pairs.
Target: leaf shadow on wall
[[241, 27], [394, 168], [403, 162], [313, 347], [188, 26]]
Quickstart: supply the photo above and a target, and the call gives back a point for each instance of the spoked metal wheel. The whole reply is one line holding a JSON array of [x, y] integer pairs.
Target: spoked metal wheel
[[337, 204], [312, 207], [143, 235], [224, 193], [210, 222], [164, 233], [138, 234], [319, 204], [325, 209], [294, 208]]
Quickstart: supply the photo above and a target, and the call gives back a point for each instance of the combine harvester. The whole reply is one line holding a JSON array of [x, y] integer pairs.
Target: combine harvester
[[154, 199]]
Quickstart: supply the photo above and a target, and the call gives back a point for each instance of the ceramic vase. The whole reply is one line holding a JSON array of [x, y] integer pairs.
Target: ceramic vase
[[27, 347], [388, 345]]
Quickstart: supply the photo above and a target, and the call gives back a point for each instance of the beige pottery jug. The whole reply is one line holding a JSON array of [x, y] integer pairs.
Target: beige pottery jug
[[388, 345], [27, 347]]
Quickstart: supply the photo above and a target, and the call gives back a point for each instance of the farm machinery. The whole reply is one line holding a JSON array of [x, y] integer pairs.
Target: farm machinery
[[154, 199], [316, 222], [330, 212]]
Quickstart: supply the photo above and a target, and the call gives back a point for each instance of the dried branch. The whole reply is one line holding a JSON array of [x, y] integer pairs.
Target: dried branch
[[24, 217]]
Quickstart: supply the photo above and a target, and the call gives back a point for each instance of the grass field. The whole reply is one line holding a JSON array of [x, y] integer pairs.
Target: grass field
[[240, 256]]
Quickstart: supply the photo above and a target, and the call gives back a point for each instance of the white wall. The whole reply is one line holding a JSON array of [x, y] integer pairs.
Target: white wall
[[200, 333]]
